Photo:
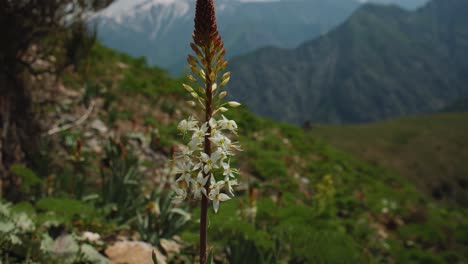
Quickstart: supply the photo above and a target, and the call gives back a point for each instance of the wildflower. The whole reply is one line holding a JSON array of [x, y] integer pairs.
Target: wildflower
[[198, 136], [216, 196], [185, 168], [209, 148], [221, 141], [228, 171], [181, 195], [187, 125], [199, 186], [229, 184], [210, 162]]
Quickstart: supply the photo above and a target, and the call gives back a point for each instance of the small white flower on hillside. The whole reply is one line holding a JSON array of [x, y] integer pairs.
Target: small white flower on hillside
[[229, 184], [198, 136], [227, 124], [228, 171], [199, 186], [186, 152], [213, 123], [185, 169], [216, 196], [181, 195], [187, 125], [210, 162], [221, 141]]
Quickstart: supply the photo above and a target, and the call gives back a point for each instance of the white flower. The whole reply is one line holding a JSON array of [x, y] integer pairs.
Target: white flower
[[186, 152], [222, 154], [228, 171], [227, 124], [229, 185], [215, 186], [181, 195], [185, 168], [221, 141], [187, 125], [212, 123], [218, 197], [210, 162], [198, 136], [235, 146], [199, 186]]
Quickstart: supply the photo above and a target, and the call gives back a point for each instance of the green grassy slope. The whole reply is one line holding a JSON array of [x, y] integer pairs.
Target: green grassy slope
[[431, 150], [313, 203], [300, 201]]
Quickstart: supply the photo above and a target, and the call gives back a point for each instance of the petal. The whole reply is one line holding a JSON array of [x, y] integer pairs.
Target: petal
[[223, 197], [215, 205], [204, 156]]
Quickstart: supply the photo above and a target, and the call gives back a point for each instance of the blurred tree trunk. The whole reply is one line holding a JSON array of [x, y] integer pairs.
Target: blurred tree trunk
[[51, 32]]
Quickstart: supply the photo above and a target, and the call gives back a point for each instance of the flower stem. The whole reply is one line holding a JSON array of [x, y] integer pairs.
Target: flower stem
[[207, 149]]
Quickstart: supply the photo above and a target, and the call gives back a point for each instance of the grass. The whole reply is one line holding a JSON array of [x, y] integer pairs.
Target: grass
[[429, 150]]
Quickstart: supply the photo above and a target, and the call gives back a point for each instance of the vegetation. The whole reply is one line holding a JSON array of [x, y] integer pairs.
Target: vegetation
[[300, 200], [428, 150]]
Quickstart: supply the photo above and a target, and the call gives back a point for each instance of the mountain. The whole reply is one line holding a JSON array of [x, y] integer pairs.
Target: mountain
[[382, 62], [160, 30], [408, 4]]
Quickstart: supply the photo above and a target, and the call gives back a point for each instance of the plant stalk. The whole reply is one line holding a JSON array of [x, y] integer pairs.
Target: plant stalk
[[207, 149]]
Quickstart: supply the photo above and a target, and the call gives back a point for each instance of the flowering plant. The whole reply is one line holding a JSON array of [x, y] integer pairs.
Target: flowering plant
[[204, 164]]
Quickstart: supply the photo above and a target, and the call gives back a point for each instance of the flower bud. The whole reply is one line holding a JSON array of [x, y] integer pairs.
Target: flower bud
[[188, 88], [233, 104], [222, 95]]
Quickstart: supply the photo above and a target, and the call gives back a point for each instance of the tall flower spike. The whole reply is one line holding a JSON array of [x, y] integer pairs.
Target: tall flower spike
[[203, 171]]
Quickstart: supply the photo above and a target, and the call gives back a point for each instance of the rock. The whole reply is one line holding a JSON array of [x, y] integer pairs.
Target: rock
[[133, 252], [99, 126], [66, 248], [93, 256], [170, 246]]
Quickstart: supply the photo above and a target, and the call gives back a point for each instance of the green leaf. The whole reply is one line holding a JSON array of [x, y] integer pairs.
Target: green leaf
[[210, 257], [154, 258], [28, 176]]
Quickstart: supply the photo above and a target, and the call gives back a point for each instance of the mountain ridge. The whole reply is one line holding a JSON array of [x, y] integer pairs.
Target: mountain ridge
[[358, 72], [248, 26]]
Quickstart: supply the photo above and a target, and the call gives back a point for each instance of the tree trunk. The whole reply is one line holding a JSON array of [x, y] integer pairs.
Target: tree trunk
[[19, 131]]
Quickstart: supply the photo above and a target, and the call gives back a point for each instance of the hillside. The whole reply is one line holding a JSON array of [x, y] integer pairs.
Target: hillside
[[300, 200], [382, 62], [431, 151]]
